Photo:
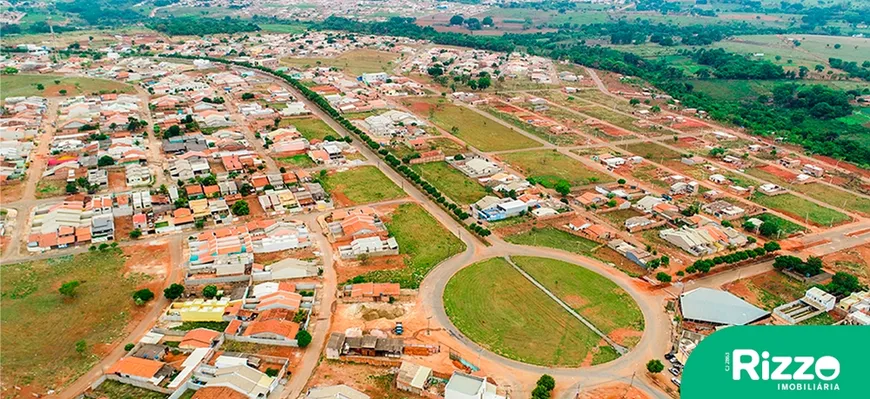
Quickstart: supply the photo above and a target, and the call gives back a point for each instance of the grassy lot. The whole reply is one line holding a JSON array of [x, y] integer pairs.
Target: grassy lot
[[451, 182], [786, 226], [494, 305], [830, 195], [116, 390], [354, 62], [283, 28], [47, 188], [41, 327], [539, 131], [312, 128], [550, 167], [552, 237], [26, 85], [361, 186], [618, 217], [768, 290], [297, 161], [821, 319], [423, 240], [652, 151], [592, 295], [447, 146], [800, 208], [475, 129]]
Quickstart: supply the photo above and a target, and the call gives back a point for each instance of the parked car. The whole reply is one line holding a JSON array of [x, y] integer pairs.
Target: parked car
[[670, 357], [674, 371], [675, 381]]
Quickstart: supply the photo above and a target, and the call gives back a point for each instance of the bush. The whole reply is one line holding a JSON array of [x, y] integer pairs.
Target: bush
[[129, 347], [663, 277], [655, 366], [272, 372], [136, 233], [68, 289], [143, 295], [303, 338]]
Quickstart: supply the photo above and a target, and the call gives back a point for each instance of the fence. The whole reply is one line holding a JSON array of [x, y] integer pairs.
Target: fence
[[263, 341], [216, 280]]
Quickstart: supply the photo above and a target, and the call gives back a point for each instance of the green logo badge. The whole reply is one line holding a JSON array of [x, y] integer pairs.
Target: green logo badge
[[780, 362]]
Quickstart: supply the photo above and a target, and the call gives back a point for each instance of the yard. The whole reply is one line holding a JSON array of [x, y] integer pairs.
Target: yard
[[552, 237], [26, 85], [353, 63], [496, 307], [41, 326], [801, 209], [596, 298], [312, 128], [475, 129], [423, 242], [451, 182], [550, 167], [361, 186]]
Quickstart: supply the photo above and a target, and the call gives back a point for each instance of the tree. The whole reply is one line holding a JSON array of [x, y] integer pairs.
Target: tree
[[563, 187], [40, 86], [621, 181], [68, 289], [544, 387], [105, 160], [843, 284], [129, 347], [303, 338], [81, 347], [655, 366], [247, 96], [488, 21], [663, 277], [241, 208], [62, 92], [634, 101], [771, 246], [9, 71], [456, 20], [209, 291], [768, 229], [136, 233], [655, 109], [71, 188], [143, 295], [173, 292]]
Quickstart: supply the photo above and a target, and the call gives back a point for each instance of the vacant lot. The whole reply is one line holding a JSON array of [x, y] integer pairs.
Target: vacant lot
[[552, 237], [830, 195], [41, 326], [768, 290], [296, 161], [549, 167], [475, 129], [801, 209], [787, 227], [498, 308], [116, 390], [27, 85], [354, 62], [653, 152], [422, 240], [592, 295], [52, 187], [451, 182], [361, 186], [312, 128]]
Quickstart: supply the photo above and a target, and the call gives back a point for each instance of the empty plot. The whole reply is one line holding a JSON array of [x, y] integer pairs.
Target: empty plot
[[801, 209], [550, 167], [474, 129], [451, 182], [552, 237], [607, 306], [354, 62], [361, 186], [495, 306], [313, 128], [54, 85], [653, 152]]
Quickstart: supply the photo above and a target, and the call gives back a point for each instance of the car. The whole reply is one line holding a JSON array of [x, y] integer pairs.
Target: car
[[674, 371], [675, 381], [670, 357]]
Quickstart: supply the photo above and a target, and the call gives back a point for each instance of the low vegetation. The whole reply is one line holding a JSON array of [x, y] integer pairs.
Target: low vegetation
[[362, 185]]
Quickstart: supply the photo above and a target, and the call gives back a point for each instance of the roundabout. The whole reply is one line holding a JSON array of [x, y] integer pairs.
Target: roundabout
[[543, 311]]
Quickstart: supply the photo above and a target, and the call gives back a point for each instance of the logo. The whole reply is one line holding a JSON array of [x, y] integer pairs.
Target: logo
[[806, 370]]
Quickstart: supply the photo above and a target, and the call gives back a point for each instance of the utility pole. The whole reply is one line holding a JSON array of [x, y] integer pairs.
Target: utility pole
[[428, 325], [630, 385]]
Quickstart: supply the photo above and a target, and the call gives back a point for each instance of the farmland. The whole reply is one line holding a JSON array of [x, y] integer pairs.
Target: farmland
[[422, 240], [26, 85], [353, 63], [550, 167], [475, 129], [552, 237], [593, 296], [481, 301], [41, 326], [451, 182], [801, 209], [361, 186]]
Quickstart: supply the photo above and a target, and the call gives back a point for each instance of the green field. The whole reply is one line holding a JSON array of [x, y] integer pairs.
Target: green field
[[552, 237], [313, 128], [830, 195], [423, 240], [296, 161], [451, 182], [785, 226], [361, 186], [857, 118], [549, 167], [496, 307], [354, 62], [593, 296], [801, 209], [116, 390], [26, 85], [652, 151], [474, 129], [540, 131], [41, 327]]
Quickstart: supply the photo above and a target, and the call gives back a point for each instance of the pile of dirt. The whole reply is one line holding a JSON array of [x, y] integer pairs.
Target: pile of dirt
[[381, 312]]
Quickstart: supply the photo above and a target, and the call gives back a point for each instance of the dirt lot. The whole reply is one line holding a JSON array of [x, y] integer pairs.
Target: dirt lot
[[347, 269], [767, 290], [374, 381], [117, 180], [616, 390], [11, 191], [272, 257], [854, 260], [779, 172]]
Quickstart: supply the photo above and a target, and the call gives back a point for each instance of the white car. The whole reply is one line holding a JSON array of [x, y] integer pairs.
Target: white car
[[675, 381]]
